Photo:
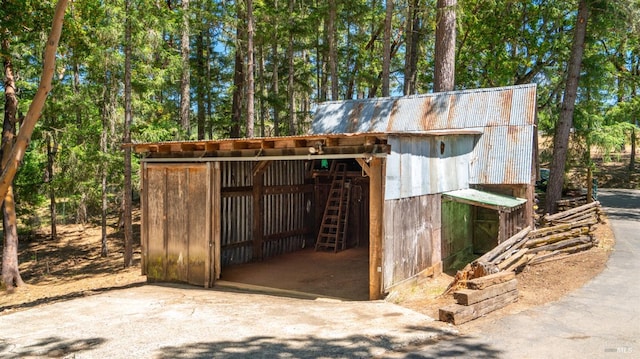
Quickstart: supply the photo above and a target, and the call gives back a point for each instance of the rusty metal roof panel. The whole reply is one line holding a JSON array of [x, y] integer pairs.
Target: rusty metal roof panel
[[503, 106]]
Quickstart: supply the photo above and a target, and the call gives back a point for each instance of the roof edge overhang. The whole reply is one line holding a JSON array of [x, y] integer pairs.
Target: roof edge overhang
[[485, 199]]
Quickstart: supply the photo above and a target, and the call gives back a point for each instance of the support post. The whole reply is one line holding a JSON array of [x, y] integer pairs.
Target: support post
[[376, 198], [258, 216]]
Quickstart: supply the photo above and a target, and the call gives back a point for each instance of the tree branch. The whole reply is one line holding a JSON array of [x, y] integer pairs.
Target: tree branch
[[12, 162]]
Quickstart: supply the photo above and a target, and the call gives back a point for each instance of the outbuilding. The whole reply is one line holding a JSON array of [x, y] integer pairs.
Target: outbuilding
[[424, 182]]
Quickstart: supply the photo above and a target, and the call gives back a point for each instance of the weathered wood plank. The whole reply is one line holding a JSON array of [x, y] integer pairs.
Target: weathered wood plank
[[562, 244], [458, 314], [521, 262], [532, 243], [569, 212], [500, 248], [514, 258], [489, 280], [560, 228], [472, 296]]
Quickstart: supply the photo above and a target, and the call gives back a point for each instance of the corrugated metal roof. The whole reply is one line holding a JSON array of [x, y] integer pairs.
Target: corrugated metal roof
[[505, 117], [486, 199], [500, 106]]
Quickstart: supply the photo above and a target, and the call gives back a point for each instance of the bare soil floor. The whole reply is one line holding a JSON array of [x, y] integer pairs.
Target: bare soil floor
[[71, 266]]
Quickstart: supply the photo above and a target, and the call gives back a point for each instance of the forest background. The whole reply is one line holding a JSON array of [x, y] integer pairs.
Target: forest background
[[193, 67]]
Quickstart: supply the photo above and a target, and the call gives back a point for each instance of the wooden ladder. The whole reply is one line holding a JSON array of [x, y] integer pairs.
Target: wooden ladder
[[333, 229]]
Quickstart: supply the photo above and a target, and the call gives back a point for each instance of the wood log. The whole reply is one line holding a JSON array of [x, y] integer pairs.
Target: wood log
[[545, 231], [573, 217], [569, 212], [489, 256], [532, 243], [481, 269], [516, 247], [541, 257], [458, 314], [489, 280], [472, 296], [578, 248], [555, 256], [514, 258], [562, 244], [515, 267]]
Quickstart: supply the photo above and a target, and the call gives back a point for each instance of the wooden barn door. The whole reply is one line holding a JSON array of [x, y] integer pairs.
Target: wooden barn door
[[179, 227]]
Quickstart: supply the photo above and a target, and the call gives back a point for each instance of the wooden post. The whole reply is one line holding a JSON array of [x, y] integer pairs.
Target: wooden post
[[216, 213], [258, 200], [376, 198], [589, 185]]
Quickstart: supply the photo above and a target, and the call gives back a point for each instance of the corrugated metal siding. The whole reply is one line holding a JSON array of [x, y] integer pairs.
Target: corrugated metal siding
[[503, 155], [416, 167], [505, 116], [236, 213], [282, 212]]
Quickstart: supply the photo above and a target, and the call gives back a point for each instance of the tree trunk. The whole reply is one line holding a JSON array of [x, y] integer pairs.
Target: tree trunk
[[413, 38], [333, 51], [52, 149], [185, 85], [262, 89], [201, 90], [563, 128], [250, 66], [291, 82], [10, 270], [238, 82], [128, 114], [104, 249], [13, 160], [275, 91], [386, 51], [445, 52]]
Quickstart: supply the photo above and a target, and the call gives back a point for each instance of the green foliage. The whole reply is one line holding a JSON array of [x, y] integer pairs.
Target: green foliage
[[499, 42]]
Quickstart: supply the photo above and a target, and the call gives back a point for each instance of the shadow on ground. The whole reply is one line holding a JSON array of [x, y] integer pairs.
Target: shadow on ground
[[51, 347], [312, 347]]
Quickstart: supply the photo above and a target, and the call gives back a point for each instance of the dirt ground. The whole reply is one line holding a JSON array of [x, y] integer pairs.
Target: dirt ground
[[71, 266]]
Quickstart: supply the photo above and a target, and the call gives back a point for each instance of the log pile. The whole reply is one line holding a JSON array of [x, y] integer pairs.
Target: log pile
[[481, 296], [563, 234]]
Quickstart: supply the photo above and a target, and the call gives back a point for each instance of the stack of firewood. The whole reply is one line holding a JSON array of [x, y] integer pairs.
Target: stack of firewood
[[481, 296], [563, 234]]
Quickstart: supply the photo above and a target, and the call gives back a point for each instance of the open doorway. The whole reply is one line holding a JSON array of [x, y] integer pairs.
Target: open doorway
[[301, 267]]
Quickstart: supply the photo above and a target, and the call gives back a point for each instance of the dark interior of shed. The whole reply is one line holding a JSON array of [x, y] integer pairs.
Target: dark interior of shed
[[332, 264]]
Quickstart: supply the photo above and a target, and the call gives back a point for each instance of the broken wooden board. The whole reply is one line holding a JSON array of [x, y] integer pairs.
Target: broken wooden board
[[458, 314], [472, 296], [489, 280]]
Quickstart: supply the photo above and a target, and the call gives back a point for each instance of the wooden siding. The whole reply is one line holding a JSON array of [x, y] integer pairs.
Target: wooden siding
[[176, 216], [411, 237], [457, 234]]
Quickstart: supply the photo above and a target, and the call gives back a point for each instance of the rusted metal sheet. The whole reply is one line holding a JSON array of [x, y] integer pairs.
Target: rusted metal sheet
[[427, 165], [513, 105], [503, 154]]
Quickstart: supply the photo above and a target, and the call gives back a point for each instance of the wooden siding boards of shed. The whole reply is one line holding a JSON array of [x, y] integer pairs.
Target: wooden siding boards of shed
[[411, 237], [176, 238]]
